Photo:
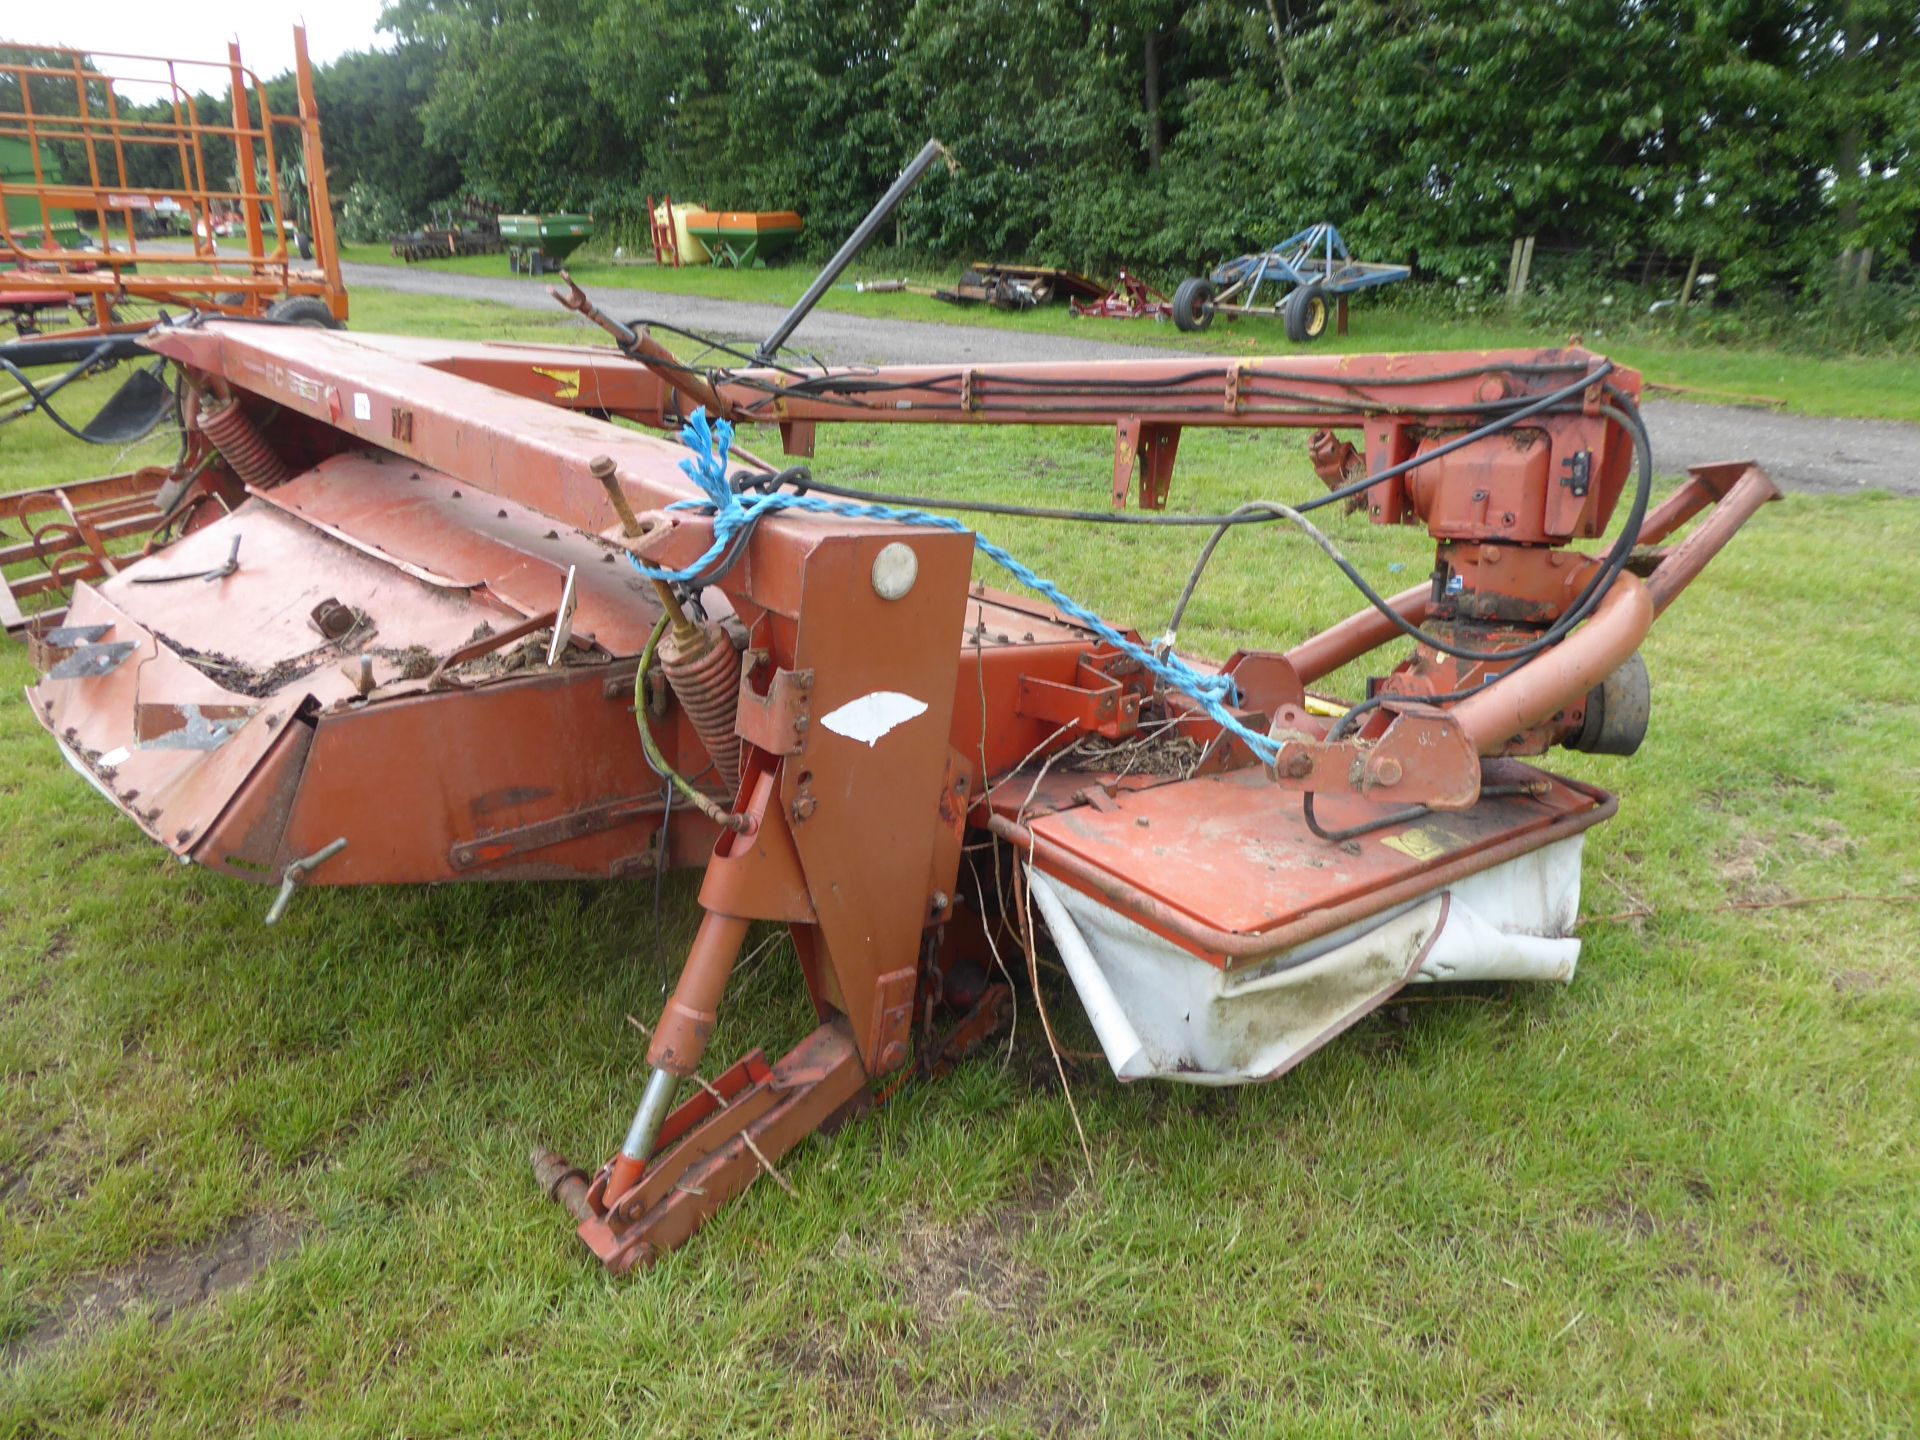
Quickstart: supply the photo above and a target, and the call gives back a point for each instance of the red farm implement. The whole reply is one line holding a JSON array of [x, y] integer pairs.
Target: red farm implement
[[442, 619]]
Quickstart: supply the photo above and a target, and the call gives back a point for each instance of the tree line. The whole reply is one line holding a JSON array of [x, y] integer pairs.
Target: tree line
[[1769, 136]]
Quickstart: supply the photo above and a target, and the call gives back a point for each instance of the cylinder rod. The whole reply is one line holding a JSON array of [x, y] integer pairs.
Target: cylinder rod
[[855, 243], [656, 1102]]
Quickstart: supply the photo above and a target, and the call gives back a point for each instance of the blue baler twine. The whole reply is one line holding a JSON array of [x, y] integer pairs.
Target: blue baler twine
[[733, 514]]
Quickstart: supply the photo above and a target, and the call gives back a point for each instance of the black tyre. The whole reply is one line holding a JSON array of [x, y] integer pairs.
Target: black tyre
[[304, 310], [1306, 313], [1193, 304]]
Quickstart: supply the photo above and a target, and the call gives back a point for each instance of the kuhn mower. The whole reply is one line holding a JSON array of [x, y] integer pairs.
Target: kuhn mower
[[438, 621], [434, 617]]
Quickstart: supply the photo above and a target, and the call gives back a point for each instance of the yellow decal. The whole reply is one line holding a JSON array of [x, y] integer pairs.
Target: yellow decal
[[1417, 843], [568, 382]]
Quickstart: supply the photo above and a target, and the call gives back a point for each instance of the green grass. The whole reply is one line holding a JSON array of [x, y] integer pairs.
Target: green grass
[[1678, 1197], [1872, 387]]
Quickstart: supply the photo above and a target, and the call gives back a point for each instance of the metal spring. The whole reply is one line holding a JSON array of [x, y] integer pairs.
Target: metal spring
[[241, 444], [706, 682]]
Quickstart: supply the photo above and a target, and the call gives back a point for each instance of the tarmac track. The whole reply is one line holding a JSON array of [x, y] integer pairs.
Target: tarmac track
[[1808, 453]]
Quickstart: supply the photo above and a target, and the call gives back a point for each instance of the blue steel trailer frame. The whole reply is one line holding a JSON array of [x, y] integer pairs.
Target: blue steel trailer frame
[[1304, 268]]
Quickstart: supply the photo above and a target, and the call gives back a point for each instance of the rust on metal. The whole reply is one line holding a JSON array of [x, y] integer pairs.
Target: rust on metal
[[857, 711]]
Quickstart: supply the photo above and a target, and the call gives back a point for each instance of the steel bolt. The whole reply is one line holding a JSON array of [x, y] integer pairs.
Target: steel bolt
[[1386, 771]]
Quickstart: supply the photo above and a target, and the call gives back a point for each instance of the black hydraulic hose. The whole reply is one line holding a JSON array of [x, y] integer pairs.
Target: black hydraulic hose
[[852, 246], [1589, 597], [71, 349], [40, 397]]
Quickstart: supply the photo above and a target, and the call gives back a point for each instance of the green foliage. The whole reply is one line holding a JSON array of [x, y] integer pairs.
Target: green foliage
[[1094, 132], [1768, 139], [370, 215], [370, 116]]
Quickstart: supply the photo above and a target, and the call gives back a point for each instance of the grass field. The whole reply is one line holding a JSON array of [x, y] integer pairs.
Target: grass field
[[1680, 1197], [1874, 387]]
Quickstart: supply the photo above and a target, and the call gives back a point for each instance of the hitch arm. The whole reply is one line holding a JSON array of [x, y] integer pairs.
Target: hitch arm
[[1736, 490]]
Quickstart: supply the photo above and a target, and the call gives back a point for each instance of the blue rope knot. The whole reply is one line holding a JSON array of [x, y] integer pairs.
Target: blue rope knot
[[710, 444]]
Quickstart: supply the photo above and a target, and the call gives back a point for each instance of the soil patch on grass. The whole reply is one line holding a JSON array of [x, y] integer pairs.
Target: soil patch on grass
[[163, 1284]]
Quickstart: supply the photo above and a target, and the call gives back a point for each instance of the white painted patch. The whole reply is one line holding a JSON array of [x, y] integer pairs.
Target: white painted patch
[[872, 716], [115, 757], [362, 406], [563, 619]]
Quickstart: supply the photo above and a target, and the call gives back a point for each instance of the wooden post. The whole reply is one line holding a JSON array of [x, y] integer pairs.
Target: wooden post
[[1519, 269], [1693, 274]]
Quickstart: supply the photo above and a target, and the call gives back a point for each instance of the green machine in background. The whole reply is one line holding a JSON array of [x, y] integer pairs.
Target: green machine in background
[[24, 222], [537, 244]]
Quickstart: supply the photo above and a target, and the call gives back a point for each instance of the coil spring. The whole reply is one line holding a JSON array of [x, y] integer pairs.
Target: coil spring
[[705, 676], [241, 444]]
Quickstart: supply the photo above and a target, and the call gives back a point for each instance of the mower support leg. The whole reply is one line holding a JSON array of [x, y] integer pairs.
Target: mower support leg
[[719, 1142], [681, 1041]]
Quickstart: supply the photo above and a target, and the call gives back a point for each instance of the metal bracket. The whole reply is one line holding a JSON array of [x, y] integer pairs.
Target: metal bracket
[[1579, 472], [1148, 446], [777, 721], [1104, 698], [891, 1028], [90, 662], [796, 438], [46, 648], [500, 845]]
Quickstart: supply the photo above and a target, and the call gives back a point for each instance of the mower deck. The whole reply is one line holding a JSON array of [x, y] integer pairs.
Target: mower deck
[[430, 622]]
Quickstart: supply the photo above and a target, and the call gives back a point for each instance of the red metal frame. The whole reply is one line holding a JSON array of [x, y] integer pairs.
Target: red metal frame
[[1131, 298], [437, 484], [664, 238]]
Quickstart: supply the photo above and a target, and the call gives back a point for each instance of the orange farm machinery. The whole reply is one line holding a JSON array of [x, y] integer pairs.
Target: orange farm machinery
[[432, 616]]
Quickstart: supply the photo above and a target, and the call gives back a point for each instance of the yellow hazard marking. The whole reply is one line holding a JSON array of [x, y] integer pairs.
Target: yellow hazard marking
[[1418, 843], [567, 381]]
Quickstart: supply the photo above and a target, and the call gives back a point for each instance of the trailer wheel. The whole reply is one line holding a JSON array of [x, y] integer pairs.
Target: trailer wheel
[[307, 310], [1193, 304], [1306, 312]]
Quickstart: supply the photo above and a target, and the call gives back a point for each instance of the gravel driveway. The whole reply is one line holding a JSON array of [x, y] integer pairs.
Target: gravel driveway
[[1801, 452]]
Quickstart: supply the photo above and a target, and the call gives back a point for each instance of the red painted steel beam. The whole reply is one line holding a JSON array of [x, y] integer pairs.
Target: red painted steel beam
[[1285, 391]]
